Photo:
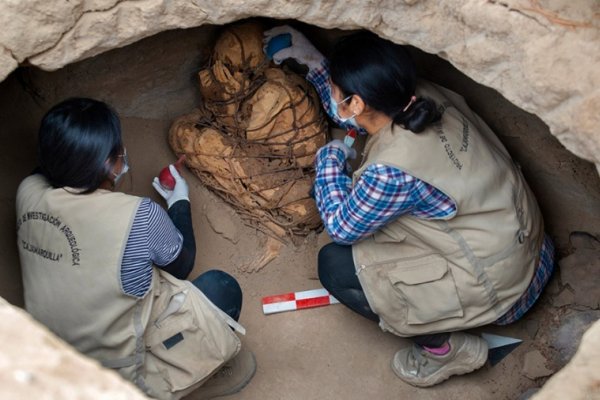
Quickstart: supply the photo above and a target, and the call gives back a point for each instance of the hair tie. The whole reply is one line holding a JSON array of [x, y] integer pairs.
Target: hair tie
[[410, 103]]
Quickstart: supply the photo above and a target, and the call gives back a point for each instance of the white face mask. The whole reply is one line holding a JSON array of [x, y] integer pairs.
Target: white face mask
[[334, 110], [125, 168]]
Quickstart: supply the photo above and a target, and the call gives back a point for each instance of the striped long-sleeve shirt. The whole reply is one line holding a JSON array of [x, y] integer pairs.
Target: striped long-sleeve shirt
[[382, 194], [153, 240]]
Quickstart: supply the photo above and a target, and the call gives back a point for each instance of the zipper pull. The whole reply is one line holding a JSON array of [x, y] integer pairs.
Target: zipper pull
[[174, 306]]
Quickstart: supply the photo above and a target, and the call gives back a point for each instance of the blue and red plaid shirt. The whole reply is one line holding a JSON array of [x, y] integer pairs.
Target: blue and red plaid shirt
[[382, 194]]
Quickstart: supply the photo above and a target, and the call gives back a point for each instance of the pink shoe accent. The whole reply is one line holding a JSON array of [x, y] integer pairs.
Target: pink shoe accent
[[439, 351]]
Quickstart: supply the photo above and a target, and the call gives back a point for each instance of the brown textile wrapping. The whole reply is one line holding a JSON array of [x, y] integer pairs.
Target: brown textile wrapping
[[254, 138]]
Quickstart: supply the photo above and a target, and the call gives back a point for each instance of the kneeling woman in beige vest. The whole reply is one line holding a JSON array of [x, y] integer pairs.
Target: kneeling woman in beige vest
[[106, 271], [437, 230]]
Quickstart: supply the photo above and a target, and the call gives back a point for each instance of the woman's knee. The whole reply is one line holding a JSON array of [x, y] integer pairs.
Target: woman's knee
[[223, 290], [326, 263], [221, 279]]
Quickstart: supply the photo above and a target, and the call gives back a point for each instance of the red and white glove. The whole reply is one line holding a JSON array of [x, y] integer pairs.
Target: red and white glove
[[179, 192]]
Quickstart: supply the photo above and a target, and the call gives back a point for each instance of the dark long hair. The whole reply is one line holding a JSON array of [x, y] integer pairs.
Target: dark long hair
[[76, 138], [384, 75]]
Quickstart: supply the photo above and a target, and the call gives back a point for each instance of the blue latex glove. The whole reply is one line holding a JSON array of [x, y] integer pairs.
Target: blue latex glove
[[301, 49]]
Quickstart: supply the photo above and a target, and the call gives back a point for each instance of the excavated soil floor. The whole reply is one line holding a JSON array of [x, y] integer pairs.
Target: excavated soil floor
[[324, 353]]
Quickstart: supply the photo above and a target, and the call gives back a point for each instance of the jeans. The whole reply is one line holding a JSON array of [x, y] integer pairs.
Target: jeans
[[223, 290], [337, 274]]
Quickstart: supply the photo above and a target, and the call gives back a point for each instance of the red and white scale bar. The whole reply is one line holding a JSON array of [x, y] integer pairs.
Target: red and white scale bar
[[297, 301]]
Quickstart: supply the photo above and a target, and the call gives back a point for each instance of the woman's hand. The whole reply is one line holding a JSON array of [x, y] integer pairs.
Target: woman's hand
[[179, 192], [349, 152], [301, 49]]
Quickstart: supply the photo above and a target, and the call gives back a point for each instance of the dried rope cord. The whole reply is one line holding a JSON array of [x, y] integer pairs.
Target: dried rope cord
[[213, 118], [253, 216], [209, 120], [215, 115]]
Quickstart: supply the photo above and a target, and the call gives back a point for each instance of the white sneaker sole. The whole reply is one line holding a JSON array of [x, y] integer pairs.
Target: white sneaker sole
[[475, 362]]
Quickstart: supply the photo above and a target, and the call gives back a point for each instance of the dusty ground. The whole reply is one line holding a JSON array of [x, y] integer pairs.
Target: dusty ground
[[311, 354], [326, 353]]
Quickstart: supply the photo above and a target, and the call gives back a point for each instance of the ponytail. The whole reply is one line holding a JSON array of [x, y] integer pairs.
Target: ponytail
[[384, 75], [418, 115]]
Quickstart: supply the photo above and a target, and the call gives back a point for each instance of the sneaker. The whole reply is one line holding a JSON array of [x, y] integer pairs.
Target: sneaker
[[230, 379], [419, 367]]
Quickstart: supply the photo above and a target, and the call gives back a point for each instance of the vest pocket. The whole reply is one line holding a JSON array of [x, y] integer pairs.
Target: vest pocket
[[388, 235], [428, 287], [180, 350]]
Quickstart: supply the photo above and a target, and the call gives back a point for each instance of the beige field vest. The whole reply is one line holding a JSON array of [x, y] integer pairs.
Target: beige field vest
[[168, 342], [427, 276]]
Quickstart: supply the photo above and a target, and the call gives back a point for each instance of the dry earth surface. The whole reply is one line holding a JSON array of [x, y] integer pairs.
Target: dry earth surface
[[326, 353]]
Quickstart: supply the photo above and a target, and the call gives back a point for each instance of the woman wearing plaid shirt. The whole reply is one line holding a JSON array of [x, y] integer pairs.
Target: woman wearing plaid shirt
[[372, 85]]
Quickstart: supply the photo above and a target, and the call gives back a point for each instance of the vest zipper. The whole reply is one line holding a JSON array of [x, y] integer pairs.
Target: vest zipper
[[363, 266], [174, 305], [360, 269]]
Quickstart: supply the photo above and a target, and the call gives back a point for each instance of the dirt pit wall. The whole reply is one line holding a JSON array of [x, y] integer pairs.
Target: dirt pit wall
[[528, 50], [153, 81]]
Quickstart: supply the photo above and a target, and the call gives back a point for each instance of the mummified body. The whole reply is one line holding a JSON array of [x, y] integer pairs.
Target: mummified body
[[255, 136]]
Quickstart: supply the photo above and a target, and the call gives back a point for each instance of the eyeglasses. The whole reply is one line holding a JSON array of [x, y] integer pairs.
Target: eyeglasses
[[337, 103], [331, 86], [124, 168], [124, 156]]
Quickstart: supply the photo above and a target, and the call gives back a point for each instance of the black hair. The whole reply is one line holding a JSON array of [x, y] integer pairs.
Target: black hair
[[384, 75], [76, 139]]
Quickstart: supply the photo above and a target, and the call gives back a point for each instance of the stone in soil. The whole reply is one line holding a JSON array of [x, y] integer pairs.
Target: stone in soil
[[567, 337], [581, 270], [534, 365]]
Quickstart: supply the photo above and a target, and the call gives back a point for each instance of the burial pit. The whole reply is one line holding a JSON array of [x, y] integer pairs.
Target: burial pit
[[529, 68]]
